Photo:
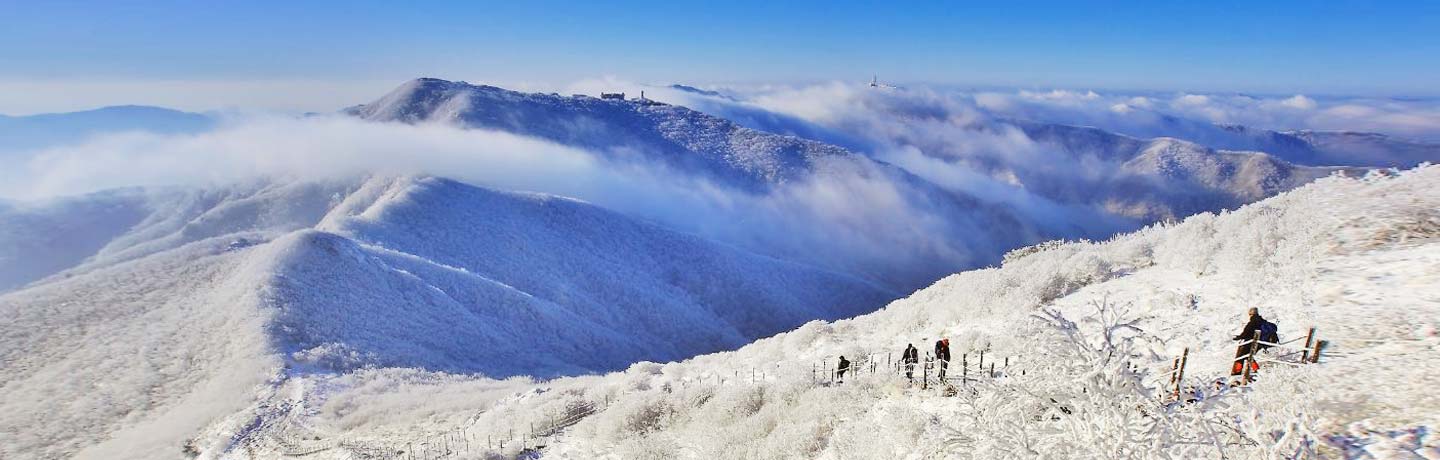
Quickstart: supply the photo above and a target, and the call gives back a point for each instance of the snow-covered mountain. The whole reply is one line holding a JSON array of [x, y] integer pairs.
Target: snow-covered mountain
[[1144, 178], [235, 320], [1087, 332], [716, 152], [1302, 147], [269, 280], [1166, 177], [674, 136]]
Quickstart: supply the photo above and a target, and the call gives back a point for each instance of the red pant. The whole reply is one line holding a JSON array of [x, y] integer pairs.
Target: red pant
[[1239, 367]]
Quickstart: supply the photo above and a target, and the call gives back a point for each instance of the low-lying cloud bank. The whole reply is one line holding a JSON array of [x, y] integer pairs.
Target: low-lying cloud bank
[[983, 143], [1136, 114], [1149, 114], [861, 222]]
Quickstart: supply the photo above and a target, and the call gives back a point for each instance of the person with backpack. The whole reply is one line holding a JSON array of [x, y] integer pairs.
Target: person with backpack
[[942, 354], [844, 366], [1269, 332], [909, 358]]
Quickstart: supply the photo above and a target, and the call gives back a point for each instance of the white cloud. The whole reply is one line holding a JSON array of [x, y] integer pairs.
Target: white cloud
[[319, 147], [1299, 101], [857, 219], [1192, 100]]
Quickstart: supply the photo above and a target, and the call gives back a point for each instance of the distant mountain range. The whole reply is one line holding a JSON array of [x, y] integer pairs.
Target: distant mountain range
[[1302, 147], [691, 143], [51, 129], [1167, 178]]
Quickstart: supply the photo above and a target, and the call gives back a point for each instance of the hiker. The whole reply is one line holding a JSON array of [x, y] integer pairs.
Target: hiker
[[1268, 333], [909, 358], [844, 366], [942, 354]]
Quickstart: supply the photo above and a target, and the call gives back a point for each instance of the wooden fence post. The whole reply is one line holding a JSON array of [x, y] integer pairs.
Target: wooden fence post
[[1309, 342], [1179, 375], [925, 379], [1250, 358], [1319, 347]]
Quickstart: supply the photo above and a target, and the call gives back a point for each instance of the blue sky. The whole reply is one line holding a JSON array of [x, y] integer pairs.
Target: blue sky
[[1320, 47]]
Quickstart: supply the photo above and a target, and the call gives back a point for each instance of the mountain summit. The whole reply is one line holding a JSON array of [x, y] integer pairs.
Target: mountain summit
[[675, 136]]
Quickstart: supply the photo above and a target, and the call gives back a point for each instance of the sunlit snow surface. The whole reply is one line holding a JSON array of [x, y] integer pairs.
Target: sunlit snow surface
[[220, 294], [1357, 258], [345, 317]]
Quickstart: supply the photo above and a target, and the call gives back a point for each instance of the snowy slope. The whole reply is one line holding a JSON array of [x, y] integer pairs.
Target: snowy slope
[[565, 287], [67, 236], [1090, 326], [191, 318], [37, 240], [122, 361], [674, 136], [803, 178]]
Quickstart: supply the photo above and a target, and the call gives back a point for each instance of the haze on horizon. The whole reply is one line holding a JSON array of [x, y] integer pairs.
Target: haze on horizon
[[321, 56]]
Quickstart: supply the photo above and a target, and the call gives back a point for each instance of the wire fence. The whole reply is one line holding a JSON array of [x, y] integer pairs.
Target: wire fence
[[471, 440]]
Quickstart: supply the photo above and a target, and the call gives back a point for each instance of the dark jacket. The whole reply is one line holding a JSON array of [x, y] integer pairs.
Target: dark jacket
[[1256, 324], [1251, 328], [912, 355], [942, 351], [844, 364]]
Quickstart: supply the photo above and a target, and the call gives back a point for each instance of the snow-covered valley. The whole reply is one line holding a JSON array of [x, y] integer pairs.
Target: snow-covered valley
[[681, 284]]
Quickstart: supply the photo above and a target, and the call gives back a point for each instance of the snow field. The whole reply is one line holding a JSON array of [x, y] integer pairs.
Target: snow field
[[213, 325], [1095, 326]]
